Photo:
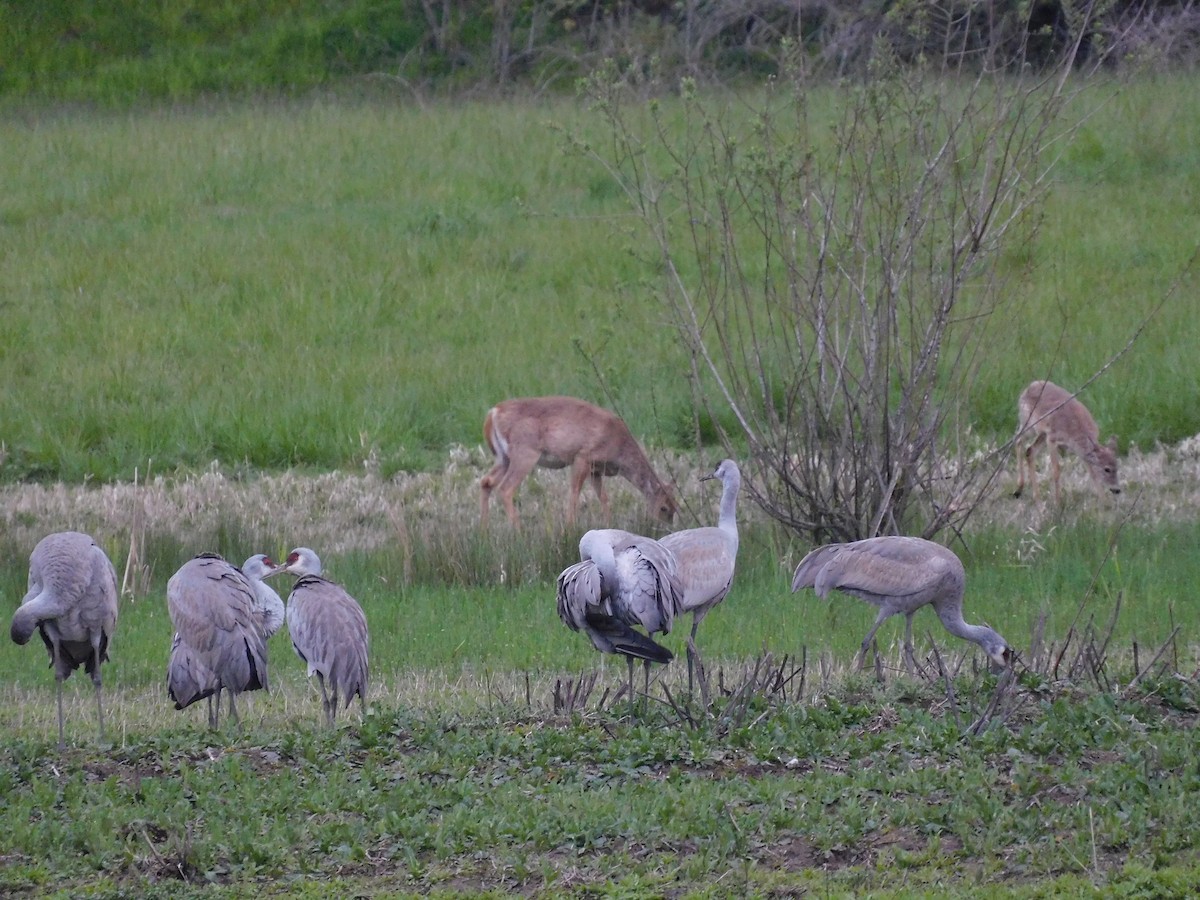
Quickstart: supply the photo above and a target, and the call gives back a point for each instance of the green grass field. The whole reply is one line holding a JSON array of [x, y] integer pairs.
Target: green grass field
[[295, 315], [379, 275]]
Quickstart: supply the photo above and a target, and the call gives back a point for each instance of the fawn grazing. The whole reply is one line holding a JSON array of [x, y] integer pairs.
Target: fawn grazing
[[556, 432], [1061, 421]]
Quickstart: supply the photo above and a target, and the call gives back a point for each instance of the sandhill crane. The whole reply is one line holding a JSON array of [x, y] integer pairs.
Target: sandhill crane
[[189, 675], [899, 575], [219, 641], [329, 632], [72, 603], [623, 581], [706, 558], [270, 607]]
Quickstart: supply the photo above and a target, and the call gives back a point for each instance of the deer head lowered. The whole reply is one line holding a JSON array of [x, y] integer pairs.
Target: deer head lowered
[[556, 432]]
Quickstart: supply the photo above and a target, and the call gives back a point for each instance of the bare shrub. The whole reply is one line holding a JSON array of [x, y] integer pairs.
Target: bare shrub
[[1154, 36], [837, 273]]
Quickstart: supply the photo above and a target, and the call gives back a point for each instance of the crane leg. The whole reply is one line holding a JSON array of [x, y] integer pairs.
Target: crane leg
[[325, 700], [632, 710], [696, 663], [62, 742], [866, 642], [214, 709], [233, 713], [96, 680], [58, 680], [910, 657], [100, 709]]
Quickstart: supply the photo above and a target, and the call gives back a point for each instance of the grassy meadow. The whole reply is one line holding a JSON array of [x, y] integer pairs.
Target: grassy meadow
[[378, 275], [244, 327]]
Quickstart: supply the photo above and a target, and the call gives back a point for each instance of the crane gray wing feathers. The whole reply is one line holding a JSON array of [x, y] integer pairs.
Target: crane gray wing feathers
[[329, 632], [608, 625], [706, 558], [877, 570], [188, 677], [578, 588], [214, 610], [73, 582]]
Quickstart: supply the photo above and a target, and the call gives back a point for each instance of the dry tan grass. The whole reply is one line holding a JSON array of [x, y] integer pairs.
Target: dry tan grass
[[132, 713], [1159, 486], [335, 512], [340, 512]]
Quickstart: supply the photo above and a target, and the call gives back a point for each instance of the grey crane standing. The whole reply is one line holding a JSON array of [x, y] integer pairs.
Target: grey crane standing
[[188, 674], [899, 575], [219, 641], [623, 581], [72, 603], [329, 632], [706, 558]]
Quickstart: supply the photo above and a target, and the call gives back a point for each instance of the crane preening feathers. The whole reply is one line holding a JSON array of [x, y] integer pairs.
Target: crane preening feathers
[[623, 582], [72, 603]]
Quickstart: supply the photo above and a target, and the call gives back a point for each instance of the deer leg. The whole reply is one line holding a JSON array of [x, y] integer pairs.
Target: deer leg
[[598, 487], [1056, 472], [1020, 466], [519, 465], [486, 484], [580, 470]]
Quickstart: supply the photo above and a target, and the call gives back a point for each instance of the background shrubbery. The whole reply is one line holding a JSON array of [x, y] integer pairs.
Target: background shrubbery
[[123, 51]]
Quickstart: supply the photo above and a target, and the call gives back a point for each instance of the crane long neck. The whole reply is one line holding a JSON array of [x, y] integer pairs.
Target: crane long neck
[[601, 553], [954, 623], [727, 520]]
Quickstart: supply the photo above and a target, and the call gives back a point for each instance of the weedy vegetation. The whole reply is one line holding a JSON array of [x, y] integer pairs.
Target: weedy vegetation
[[498, 754], [243, 326]]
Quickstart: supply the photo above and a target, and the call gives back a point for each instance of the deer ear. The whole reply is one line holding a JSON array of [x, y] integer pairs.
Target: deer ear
[[1112, 443]]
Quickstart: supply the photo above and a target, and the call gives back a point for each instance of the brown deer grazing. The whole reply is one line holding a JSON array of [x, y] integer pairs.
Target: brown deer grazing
[[1061, 421], [556, 432]]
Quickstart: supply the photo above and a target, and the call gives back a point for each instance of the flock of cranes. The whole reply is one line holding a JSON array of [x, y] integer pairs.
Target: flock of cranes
[[223, 616], [625, 581]]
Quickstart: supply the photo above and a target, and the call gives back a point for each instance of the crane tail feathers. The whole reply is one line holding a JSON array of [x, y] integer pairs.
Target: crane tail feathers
[[627, 641]]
